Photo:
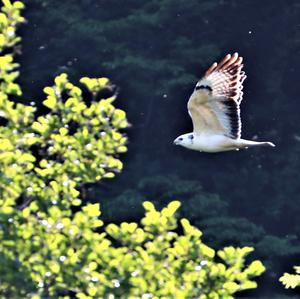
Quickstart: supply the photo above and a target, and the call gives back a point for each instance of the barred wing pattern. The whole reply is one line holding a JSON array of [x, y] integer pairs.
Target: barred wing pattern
[[215, 104]]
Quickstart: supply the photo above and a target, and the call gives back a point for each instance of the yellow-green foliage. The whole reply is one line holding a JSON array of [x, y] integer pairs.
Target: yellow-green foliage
[[291, 280], [60, 255], [76, 142], [54, 246]]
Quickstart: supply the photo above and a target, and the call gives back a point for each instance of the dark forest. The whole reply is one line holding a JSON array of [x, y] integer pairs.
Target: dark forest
[[154, 52]]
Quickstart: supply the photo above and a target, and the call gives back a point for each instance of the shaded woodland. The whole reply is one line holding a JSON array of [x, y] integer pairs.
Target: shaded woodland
[[154, 52]]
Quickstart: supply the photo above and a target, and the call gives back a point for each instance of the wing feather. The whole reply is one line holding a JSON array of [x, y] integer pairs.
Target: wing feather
[[214, 105]]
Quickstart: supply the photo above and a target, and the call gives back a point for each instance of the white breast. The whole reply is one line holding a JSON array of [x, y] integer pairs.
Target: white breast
[[212, 143]]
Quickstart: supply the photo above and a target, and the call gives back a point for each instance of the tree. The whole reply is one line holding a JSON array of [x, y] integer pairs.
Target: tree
[[54, 245], [158, 50], [291, 280]]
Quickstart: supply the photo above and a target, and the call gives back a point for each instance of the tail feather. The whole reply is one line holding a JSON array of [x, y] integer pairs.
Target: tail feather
[[243, 143]]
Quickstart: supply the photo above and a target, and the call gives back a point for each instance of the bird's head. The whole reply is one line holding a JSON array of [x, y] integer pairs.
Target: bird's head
[[185, 140]]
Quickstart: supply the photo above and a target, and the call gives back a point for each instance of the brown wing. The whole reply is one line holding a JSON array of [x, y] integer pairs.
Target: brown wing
[[214, 104]]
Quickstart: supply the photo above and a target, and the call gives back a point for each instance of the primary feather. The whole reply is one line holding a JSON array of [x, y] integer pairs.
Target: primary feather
[[215, 104]]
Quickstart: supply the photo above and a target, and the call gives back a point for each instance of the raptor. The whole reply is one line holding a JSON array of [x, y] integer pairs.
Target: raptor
[[214, 107]]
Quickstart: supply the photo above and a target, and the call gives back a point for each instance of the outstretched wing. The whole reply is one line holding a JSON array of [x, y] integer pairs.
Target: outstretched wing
[[214, 106]]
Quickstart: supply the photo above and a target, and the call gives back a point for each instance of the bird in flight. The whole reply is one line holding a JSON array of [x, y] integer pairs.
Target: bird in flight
[[214, 107]]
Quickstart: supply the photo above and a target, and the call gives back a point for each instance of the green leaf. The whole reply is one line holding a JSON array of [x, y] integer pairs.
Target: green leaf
[[232, 287], [38, 127], [49, 91], [103, 81], [7, 210], [207, 251], [148, 206], [256, 268], [63, 131], [50, 102], [27, 158], [92, 291], [18, 5], [61, 80], [76, 202], [54, 267], [92, 210]]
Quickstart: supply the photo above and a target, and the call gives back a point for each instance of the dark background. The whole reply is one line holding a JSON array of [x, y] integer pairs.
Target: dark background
[[155, 51]]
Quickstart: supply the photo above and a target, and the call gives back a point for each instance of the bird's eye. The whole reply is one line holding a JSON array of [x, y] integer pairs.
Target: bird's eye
[[191, 137], [180, 139]]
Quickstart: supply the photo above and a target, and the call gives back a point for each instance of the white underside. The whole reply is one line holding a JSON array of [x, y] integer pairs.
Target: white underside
[[220, 143]]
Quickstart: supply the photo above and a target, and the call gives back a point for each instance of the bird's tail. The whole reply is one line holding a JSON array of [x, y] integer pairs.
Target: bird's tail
[[243, 143]]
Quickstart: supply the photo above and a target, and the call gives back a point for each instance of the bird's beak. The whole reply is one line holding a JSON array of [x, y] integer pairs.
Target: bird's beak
[[175, 142]]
